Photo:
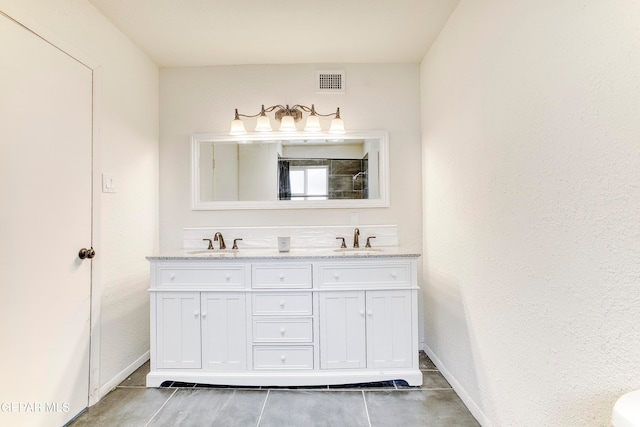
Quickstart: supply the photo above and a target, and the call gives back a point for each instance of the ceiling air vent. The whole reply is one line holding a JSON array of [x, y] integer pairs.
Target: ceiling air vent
[[330, 82]]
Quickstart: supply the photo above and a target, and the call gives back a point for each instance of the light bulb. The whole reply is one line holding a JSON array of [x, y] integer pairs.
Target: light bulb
[[263, 124], [337, 126], [237, 127], [287, 124], [313, 124]]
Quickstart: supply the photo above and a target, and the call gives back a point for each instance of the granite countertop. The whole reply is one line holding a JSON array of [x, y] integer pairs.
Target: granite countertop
[[295, 253]]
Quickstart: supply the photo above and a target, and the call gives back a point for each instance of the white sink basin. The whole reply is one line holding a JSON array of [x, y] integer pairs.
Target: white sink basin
[[212, 251], [359, 250]]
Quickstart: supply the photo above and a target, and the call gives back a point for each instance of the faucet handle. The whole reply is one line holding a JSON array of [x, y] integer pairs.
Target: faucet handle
[[210, 243], [235, 243], [344, 244], [368, 245]]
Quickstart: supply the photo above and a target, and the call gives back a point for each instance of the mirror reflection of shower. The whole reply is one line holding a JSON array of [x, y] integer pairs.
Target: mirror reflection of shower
[[276, 170]]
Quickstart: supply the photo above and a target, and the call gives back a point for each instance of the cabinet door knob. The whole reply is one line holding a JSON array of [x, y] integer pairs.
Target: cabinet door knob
[[204, 314], [369, 313], [196, 313], [361, 312]]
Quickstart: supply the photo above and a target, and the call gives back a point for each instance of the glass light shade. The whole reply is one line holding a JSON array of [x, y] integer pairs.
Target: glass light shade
[[337, 126], [313, 124], [287, 124], [237, 127], [263, 124]]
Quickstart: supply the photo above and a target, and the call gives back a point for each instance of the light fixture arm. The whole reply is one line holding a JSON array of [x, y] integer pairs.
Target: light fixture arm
[[295, 112]]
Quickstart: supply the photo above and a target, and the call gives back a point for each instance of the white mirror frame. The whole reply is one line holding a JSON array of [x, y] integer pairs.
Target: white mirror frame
[[381, 202]]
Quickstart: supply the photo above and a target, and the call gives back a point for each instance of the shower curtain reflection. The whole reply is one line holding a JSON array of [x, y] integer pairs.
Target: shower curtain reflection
[[284, 182]]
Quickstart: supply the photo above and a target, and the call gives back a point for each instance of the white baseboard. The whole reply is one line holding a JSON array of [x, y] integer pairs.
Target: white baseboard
[[123, 375], [457, 387]]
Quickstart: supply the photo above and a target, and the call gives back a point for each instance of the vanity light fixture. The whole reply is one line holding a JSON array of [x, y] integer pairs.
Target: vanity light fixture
[[287, 116]]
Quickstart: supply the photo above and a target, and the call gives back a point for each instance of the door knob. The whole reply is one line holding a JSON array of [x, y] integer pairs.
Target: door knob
[[86, 253]]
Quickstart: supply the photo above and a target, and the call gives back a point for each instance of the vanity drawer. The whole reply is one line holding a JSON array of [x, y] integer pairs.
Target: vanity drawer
[[281, 276], [291, 357], [369, 275], [289, 303], [283, 330], [228, 277]]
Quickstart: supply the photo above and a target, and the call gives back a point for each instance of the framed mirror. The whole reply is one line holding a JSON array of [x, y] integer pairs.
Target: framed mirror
[[290, 171]]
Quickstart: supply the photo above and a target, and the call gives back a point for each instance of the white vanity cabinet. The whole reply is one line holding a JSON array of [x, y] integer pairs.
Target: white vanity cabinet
[[201, 330], [199, 316], [293, 321], [361, 329], [367, 315]]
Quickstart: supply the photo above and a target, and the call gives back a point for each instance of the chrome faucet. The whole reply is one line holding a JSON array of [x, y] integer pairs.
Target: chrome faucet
[[218, 238], [356, 238]]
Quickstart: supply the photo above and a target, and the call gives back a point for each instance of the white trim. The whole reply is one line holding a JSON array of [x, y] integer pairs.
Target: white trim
[[382, 202], [458, 388], [281, 378], [123, 375], [96, 239]]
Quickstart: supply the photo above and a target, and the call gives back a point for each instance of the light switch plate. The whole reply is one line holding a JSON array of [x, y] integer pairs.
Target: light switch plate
[[108, 183]]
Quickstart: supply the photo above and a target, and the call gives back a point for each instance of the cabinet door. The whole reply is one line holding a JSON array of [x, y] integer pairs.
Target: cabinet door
[[178, 330], [224, 331], [389, 329], [342, 330]]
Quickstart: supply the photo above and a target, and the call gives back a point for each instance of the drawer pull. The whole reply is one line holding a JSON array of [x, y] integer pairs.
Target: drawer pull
[[281, 277], [282, 303], [172, 276], [393, 274], [336, 276], [228, 277], [282, 331], [283, 358]]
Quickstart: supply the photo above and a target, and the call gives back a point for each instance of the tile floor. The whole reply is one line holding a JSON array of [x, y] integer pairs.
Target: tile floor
[[390, 403]]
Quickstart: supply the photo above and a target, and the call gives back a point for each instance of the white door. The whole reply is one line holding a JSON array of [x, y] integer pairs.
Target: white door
[[342, 330], [389, 329], [45, 218], [224, 331], [178, 320]]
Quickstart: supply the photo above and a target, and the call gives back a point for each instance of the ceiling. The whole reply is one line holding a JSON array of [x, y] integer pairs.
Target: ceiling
[[176, 33]]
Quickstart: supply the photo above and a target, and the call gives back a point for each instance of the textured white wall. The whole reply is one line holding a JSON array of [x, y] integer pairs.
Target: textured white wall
[[531, 154], [202, 99], [128, 149]]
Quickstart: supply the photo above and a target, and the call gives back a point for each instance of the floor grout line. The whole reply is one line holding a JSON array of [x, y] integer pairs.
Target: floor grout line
[[366, 409], [160, 409], [263, 406]]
